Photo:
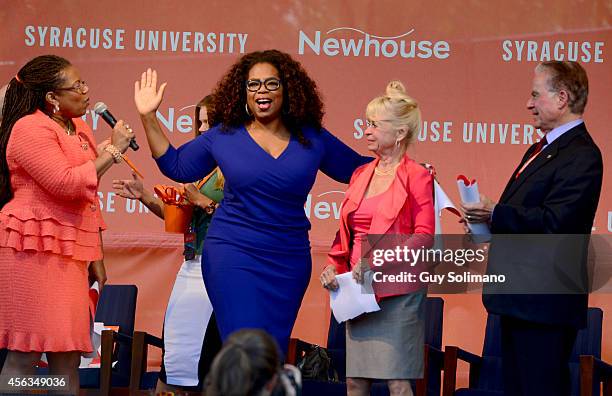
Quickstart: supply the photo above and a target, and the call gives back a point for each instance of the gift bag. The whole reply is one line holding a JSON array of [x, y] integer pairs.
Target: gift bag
[[177, 210]]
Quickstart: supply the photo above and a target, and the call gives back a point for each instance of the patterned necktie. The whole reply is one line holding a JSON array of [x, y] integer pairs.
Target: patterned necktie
[[535, 153]]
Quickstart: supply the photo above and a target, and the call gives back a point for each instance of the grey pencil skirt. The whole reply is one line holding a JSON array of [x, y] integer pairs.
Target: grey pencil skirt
[[388, 344]]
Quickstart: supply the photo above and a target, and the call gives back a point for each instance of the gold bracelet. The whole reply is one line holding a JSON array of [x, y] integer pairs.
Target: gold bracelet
[[114, 151]]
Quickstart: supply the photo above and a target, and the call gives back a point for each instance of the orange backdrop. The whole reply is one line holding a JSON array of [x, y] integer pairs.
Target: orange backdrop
[[469, 63]]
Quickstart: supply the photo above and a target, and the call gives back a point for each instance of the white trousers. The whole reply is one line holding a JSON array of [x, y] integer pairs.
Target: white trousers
[[186, 320]]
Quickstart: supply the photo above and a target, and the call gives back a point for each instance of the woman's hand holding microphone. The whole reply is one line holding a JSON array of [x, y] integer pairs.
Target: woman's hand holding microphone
[[121, 136]]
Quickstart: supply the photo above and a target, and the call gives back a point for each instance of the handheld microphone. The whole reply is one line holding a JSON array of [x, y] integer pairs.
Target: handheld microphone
[[102, 110]]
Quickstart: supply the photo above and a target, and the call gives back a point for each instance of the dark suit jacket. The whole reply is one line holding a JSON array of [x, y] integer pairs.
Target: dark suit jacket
[[557, 193]]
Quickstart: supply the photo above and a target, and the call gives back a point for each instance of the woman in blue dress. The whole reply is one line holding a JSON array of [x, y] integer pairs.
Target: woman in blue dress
[[269, 143]]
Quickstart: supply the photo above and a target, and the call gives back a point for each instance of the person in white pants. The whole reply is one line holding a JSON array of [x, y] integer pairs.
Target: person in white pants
[[190, 335]]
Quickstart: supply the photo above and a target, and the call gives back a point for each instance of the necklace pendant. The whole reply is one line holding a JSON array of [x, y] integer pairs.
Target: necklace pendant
[[387, 172], [382, 173]]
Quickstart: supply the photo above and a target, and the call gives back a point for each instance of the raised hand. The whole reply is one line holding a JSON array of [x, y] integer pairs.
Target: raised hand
[[146, 94], [129, 188]]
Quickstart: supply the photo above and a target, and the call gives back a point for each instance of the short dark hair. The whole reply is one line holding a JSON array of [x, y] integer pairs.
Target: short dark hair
[[571, 77], [248, 360], [25, 94]]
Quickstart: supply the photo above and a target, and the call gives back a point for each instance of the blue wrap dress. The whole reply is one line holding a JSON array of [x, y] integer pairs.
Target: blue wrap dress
[[256, 260]]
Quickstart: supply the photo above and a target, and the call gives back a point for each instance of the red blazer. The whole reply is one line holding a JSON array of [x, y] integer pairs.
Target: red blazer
[[408, 208]]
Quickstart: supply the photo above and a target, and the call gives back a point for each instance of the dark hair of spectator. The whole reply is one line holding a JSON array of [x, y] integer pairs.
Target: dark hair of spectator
[[248, 360]]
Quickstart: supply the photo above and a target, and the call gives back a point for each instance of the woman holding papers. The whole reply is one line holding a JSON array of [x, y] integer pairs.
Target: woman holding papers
[[391, 195], [50, 220]]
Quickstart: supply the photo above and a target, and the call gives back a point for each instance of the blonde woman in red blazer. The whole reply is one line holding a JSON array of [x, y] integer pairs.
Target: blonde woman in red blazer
[[50, 220], [389, 196]]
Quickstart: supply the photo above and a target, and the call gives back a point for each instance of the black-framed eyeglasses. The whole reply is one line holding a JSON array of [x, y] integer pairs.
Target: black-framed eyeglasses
[[271, 84], [79, 86]]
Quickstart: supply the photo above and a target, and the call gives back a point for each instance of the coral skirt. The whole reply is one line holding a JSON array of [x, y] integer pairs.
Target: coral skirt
[[44, 304]]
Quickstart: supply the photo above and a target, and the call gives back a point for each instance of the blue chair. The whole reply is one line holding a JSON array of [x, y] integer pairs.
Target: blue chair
[[589, 372], [336, 349], [485, 375], [140, 377], [116, 307], [434, 357]]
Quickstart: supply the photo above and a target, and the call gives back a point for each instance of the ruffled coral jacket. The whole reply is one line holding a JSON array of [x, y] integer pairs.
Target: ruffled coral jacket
[[55, 205], [49, 232]]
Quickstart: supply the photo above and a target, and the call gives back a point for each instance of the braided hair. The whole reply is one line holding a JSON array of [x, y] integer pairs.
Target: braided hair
[[26, 94]]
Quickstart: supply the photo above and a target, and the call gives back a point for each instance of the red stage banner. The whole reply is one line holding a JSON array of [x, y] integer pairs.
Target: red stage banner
[[468, 63]]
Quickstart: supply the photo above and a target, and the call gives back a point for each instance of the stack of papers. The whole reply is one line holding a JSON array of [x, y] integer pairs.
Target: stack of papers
[[352, 299]]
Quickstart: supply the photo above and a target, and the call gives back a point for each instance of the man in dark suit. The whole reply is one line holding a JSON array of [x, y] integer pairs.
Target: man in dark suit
[[553, 192]]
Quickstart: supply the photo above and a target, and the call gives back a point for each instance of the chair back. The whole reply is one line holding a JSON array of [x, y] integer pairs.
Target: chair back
[[116, 307], [588, 342], [434, 321], [491, 376]]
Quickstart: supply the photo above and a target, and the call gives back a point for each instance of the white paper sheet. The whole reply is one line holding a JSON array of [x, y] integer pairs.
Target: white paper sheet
[[469, 194], [441, 202], [350, 300]]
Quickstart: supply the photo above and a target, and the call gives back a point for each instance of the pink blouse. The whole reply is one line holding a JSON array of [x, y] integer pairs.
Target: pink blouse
[[359, 222]]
